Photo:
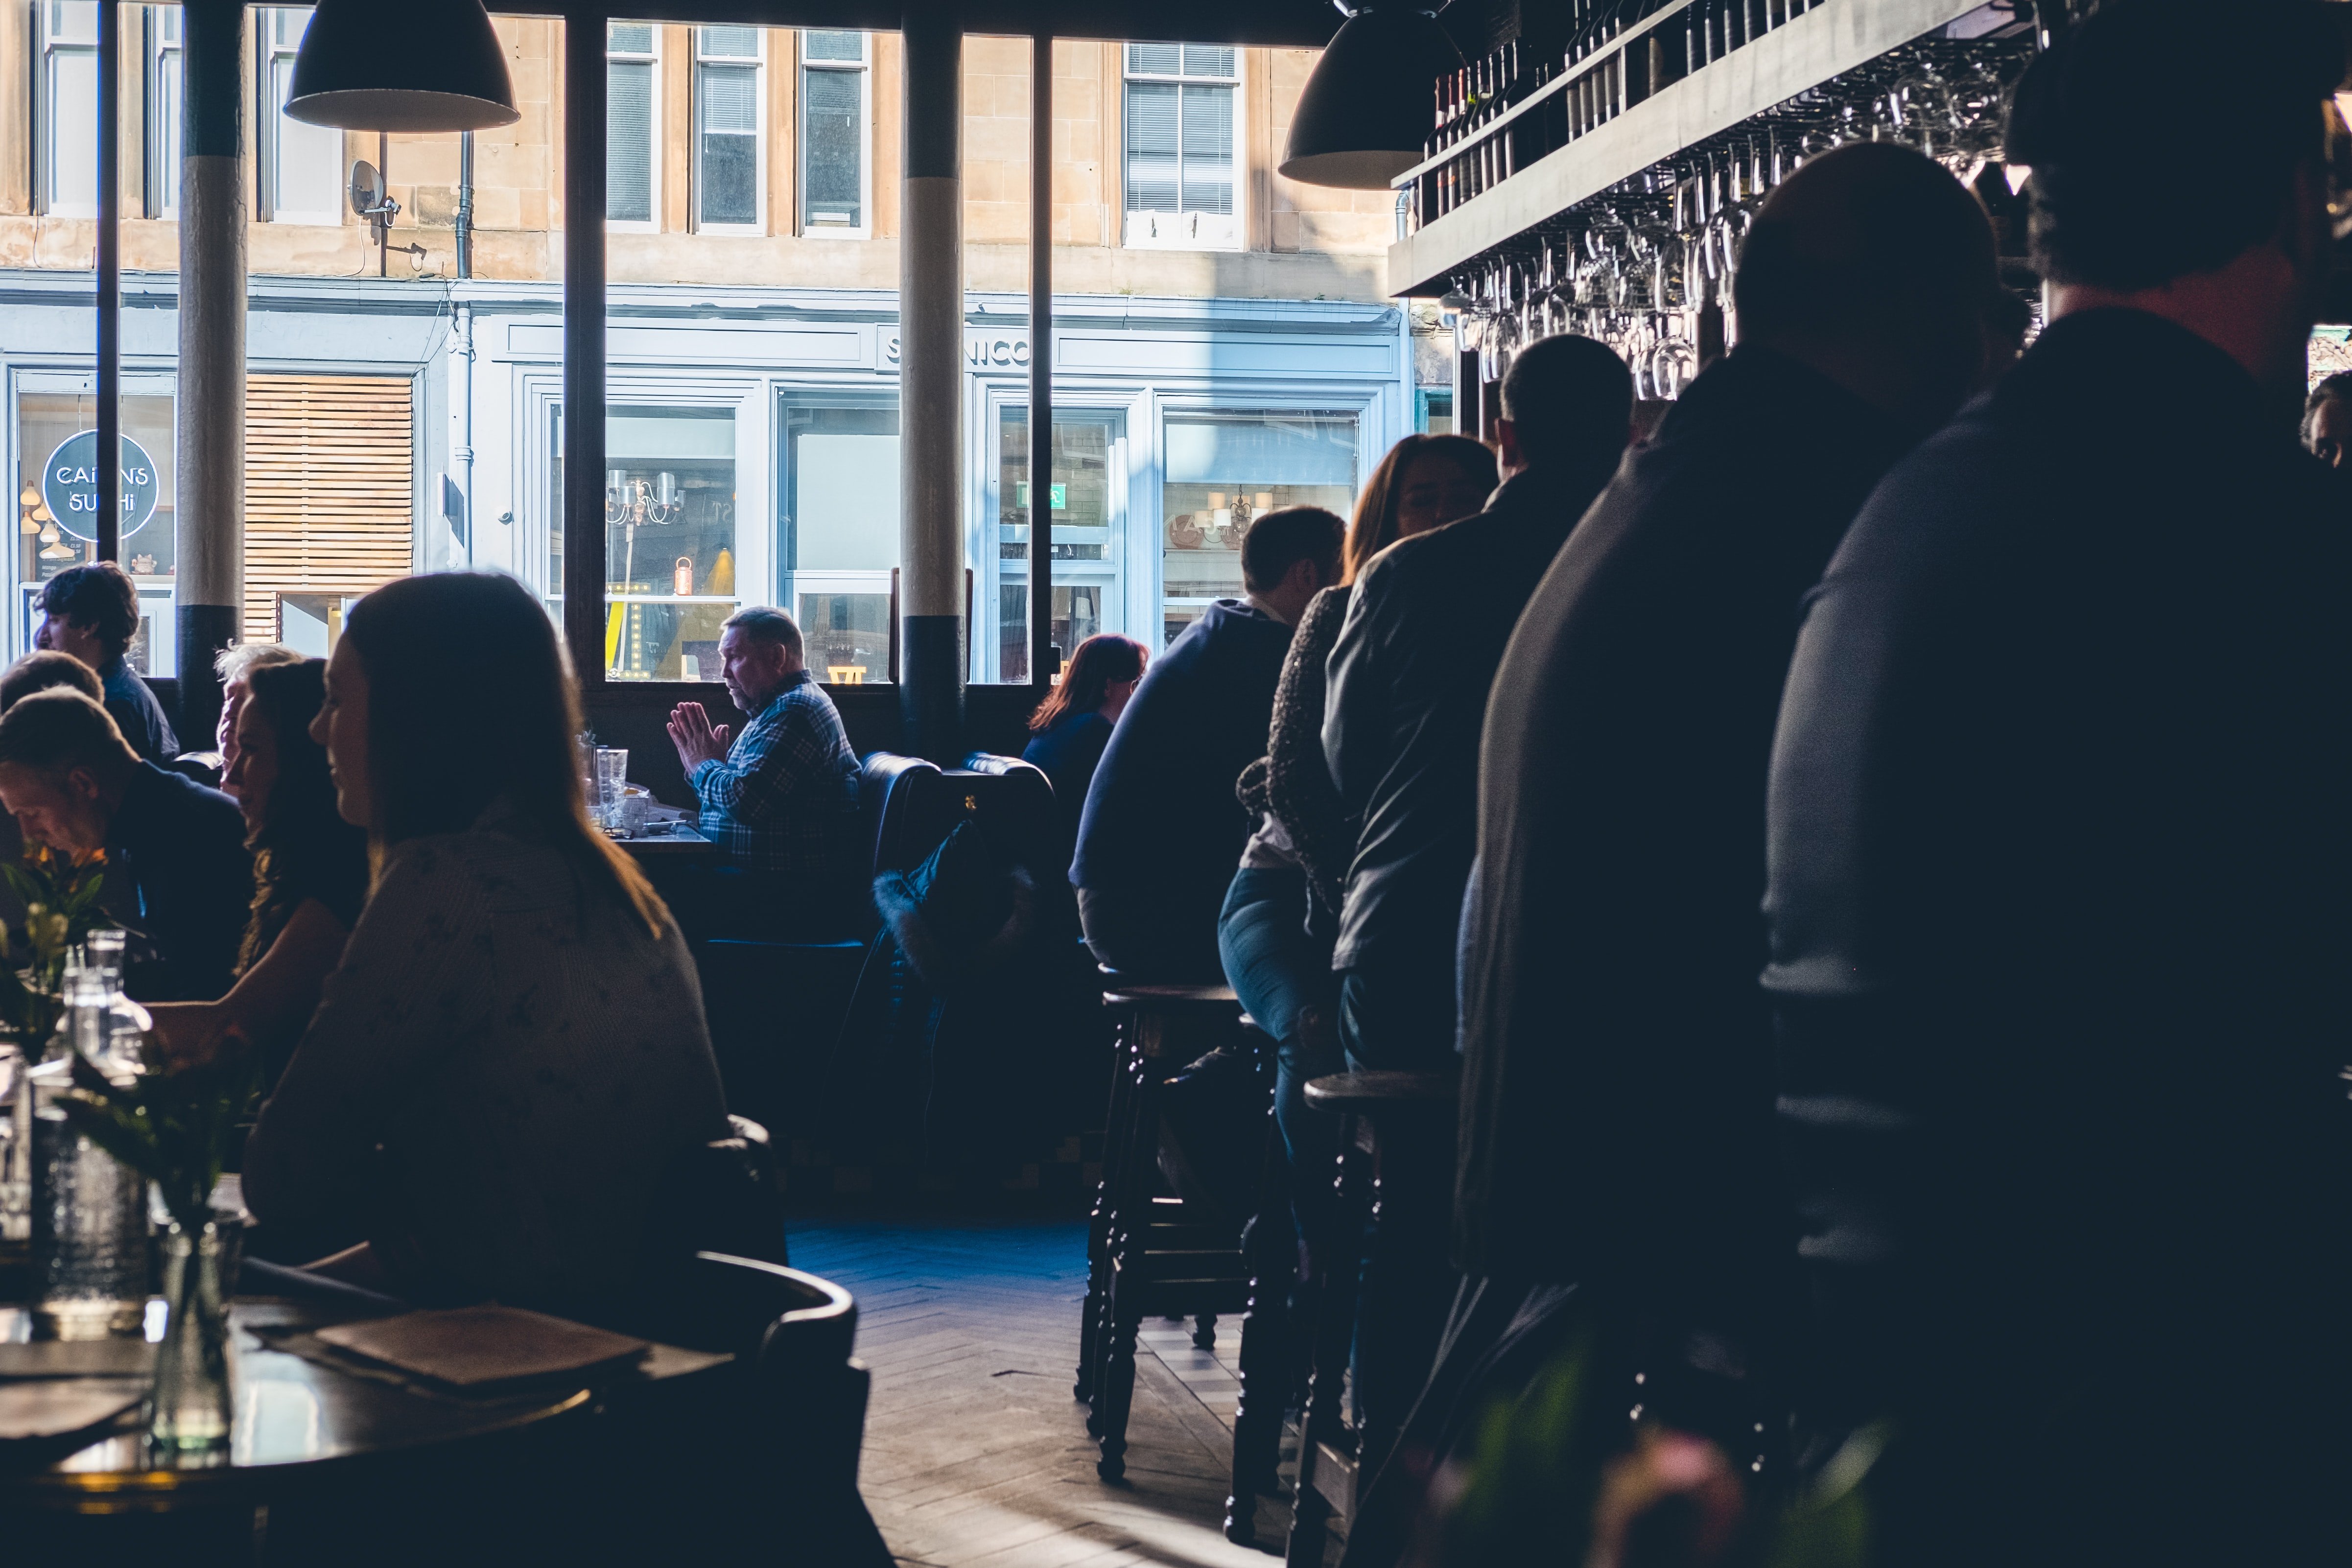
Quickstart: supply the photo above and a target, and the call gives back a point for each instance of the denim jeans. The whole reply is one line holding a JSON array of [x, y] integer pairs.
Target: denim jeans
[[1280, 972], [1137, 934]]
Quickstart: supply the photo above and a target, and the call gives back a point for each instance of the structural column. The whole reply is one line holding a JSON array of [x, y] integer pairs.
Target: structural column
[[930, 386], [1042, 665], [209, 521]]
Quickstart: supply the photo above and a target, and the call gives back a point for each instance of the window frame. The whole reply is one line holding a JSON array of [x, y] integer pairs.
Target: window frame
[[270, 121], [164, 48], [1232, 228], [758, 64], [49, 46], [651, 58], [802, 228]]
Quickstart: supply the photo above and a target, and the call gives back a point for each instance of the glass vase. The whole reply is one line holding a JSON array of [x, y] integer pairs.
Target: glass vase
[[189, 1412]]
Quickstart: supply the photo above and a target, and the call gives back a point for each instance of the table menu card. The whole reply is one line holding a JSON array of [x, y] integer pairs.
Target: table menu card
[[482, 1347]]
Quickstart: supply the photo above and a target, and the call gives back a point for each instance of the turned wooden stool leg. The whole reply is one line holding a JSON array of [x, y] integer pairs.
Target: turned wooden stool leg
[[1098, 1221], [1117, 1381], [1127, 1187], [1334, 1316], [1266, 1344]]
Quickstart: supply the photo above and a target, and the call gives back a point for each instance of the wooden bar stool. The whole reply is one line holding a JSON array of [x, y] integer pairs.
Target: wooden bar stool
[[1149, 1254], [1383, 1115]]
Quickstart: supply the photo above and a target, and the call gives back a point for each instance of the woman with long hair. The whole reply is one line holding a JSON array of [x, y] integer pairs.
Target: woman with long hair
[[310, 877], [1074, 723], [513, 1051], [1425, 482], [1276, 932]]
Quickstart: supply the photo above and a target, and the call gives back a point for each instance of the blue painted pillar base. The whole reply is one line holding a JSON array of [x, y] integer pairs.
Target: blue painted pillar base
[[931, 687], [204, 630]]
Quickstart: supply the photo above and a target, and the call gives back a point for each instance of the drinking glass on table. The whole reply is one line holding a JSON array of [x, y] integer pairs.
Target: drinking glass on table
[[612, 783]]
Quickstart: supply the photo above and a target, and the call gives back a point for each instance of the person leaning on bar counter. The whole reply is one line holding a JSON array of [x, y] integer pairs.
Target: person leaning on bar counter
[[512, 1052], [175, 850]]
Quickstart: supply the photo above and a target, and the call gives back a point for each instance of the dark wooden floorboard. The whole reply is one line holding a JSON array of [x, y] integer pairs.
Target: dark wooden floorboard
[[976, 1455]]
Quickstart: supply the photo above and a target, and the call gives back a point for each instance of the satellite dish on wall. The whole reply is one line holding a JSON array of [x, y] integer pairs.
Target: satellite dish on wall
[[367, 188]]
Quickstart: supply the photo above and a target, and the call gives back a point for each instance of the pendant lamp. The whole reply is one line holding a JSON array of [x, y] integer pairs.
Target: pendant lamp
[[1367, 107], [418, 65]]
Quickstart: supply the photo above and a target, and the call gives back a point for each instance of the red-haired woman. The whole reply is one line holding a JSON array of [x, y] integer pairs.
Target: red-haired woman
[[1073, 724]]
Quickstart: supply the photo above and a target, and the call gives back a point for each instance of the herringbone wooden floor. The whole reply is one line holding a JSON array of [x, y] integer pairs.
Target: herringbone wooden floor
[[975, 1453]]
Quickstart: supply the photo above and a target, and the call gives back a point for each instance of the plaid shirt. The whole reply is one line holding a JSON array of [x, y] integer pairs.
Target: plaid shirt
[[787, 794]]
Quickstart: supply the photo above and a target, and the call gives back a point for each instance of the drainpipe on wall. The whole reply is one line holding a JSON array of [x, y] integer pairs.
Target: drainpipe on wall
[[457, 485], [208, 525], [465, 204], [457, 501]]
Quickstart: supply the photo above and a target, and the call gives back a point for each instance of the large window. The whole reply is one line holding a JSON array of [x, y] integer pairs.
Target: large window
[[727, 129], [670, 543], [837, 521], [1223, 469], [835, 116], [66, 151], [631, 119], [1087, 500], [1180, 102], [166, 105], [57, 495], [303, 178]]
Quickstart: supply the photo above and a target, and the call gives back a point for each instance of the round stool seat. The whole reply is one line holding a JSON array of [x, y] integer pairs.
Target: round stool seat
[[1353, 1092], [1161, 997]]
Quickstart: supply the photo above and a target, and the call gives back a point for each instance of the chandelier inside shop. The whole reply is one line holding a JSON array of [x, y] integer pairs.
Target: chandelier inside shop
[[1636, 265]]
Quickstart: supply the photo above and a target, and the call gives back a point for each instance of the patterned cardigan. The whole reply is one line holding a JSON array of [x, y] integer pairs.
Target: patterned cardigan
[[1291, 782]]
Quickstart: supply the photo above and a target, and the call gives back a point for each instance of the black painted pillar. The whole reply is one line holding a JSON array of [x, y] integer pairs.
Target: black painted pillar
[[109, 281], [209, 523], [930, 386], [1042, 667]]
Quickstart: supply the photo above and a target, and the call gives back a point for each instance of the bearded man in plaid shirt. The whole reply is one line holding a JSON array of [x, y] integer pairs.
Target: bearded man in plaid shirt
[[781, 797]]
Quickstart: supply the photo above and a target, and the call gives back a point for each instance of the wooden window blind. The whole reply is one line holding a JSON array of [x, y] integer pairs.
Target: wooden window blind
[[329, 488]]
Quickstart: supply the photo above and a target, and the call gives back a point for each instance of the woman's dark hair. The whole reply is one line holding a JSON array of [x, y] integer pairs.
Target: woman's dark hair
[[1099, 659], [303, 848], [2336, 388], [99, 596], [1375, 527], [434, 648]]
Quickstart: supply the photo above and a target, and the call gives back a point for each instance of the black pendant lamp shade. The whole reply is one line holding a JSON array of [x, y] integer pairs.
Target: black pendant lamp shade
[[1367, 107], [401, 65]]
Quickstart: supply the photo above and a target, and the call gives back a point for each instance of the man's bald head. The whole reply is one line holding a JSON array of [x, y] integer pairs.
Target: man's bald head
[[1874, 265]]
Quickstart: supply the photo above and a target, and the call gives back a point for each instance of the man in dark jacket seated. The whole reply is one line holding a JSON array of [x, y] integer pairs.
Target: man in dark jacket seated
[[1617, 1054], [174, 850], [1408, 693], [1163, 829], [2059, 847], [93, 612]]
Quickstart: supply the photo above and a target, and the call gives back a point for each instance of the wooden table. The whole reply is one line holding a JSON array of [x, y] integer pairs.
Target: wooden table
[[684, 842], [308, 1440]]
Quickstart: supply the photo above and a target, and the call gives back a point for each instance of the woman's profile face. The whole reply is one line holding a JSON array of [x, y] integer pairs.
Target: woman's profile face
[[255, 772], [1436, 490], [342, 727]]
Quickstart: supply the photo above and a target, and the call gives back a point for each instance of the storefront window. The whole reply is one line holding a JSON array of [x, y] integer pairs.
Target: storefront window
[[837, 532], [670, 541], [1088, 486], [56, 502], [1223, 469]]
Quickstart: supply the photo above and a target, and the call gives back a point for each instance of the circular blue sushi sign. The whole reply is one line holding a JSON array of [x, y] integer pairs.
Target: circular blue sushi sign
[[70, 486]]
